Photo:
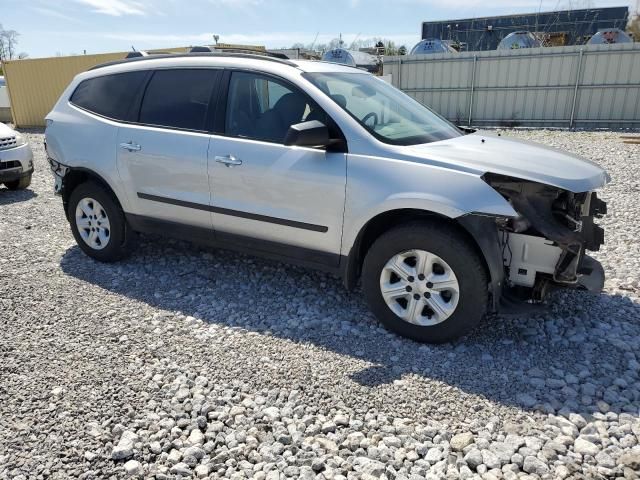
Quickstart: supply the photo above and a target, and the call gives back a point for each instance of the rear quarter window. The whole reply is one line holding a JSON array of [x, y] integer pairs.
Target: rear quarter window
[[112, 96]]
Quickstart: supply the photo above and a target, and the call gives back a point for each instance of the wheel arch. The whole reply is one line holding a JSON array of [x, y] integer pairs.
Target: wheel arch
[[480, 231], [77, 176]]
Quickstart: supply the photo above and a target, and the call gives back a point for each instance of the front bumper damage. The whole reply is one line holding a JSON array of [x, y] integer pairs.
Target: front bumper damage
[[545, 246]]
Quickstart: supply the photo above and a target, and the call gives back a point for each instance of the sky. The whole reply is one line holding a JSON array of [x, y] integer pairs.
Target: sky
[[53, 27]]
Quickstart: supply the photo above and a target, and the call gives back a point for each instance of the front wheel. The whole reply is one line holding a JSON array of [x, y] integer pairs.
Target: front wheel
[[425, 282]]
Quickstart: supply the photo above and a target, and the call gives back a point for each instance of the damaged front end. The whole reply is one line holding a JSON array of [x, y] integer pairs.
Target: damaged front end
[[545, 244]]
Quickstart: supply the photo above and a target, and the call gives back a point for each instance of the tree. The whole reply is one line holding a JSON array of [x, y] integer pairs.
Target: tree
[[361, 43], [383, 45], [8, 43], [335, 43]]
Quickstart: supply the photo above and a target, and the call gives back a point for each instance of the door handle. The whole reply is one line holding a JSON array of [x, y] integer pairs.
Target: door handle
[[132, 147], [229, 160]]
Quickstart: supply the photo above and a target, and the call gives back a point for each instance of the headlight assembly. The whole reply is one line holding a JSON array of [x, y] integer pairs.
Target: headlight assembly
[[20, 140]]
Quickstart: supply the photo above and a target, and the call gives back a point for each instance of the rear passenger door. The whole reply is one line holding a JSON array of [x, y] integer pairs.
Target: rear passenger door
[[162, 156]]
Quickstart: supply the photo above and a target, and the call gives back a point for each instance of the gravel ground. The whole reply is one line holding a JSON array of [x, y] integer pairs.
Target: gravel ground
[[184, 361]]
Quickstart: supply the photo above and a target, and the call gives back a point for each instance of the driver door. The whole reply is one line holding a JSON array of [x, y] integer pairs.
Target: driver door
[[265, 194]]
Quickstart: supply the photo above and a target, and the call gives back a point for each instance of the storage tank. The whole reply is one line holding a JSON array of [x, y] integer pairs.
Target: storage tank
[[431, 45], [521, 39], [609, 36], [352, 58]]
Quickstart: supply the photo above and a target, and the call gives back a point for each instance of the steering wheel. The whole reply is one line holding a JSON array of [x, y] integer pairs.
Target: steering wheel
[[373, 115]]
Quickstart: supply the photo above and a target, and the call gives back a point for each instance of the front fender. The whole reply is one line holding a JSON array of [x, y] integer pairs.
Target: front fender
[[379, 185]]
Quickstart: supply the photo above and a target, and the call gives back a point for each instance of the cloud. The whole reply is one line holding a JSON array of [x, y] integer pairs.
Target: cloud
[[237, 3], [270, 40], [49, 12], [115, 8]]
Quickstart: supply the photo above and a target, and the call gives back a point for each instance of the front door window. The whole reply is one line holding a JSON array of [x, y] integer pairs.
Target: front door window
[[262, 108]]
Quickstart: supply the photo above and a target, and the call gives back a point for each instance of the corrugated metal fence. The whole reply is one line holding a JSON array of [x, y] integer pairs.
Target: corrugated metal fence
[[587, 86], [36, 84]]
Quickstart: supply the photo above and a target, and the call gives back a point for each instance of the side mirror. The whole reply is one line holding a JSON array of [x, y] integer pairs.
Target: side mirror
[[308, 134]]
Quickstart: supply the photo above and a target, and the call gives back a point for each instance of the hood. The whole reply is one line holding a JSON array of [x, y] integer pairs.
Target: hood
[[483, 152], [6, 131]]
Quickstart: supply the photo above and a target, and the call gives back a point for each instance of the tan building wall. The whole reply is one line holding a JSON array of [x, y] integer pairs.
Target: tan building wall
[[36, 84]]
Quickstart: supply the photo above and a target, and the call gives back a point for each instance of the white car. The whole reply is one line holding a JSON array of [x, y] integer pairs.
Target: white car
[[16, 159], [326, 166]]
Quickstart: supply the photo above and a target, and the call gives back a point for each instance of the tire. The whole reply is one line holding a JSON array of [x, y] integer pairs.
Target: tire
[[91, 206], [459, 300], [19, 184]]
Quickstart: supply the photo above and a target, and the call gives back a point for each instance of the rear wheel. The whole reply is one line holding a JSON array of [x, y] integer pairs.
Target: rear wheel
[[98, 223], [19, 184], [426, 282]]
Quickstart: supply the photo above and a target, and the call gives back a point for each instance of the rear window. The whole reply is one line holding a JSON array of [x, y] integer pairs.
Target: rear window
[[111, 96], [178, 98]]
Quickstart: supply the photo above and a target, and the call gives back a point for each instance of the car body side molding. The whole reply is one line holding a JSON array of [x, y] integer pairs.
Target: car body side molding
[[235, 213]]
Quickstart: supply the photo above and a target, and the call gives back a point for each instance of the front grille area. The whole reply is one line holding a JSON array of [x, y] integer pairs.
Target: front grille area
[[9, 164], [8, 142]]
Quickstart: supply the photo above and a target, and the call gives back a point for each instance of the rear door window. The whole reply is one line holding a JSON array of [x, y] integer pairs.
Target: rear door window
[[112, 96], [179, 98]]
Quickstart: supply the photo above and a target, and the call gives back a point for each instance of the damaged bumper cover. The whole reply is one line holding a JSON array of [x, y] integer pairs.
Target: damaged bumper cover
[[592, 275], [59, 171]]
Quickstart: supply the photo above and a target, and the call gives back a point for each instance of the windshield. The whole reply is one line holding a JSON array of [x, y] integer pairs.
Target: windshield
[[389, 114]]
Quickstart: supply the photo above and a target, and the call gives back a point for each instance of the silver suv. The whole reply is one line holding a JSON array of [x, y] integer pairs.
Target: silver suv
[[329, 167]]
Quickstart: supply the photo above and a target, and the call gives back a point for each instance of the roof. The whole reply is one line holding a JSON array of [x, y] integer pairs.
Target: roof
[[576, 11], [219, 59]]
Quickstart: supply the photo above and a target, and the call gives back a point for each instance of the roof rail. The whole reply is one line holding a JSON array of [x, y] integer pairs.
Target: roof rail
[[255, 56]]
